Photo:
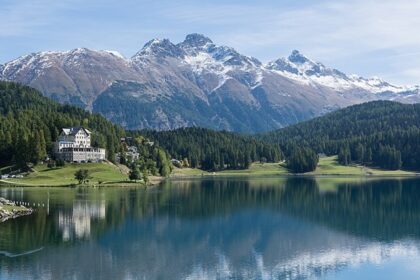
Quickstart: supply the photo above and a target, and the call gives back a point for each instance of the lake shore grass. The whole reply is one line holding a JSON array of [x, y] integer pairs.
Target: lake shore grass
[[110, 175], [100, 174], [327, 166]]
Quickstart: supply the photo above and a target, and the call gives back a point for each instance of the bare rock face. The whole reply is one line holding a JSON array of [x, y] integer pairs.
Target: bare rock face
[[197, 83]]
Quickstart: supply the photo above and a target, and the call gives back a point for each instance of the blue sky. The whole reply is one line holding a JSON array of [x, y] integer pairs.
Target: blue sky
[[367, 37]]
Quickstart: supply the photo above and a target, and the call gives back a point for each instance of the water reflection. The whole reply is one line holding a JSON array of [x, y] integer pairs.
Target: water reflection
[[77, 224], [295, 228]]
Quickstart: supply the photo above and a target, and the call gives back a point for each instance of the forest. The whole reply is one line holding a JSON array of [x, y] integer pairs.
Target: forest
[[214, 150], [30, 123], [382, 134]]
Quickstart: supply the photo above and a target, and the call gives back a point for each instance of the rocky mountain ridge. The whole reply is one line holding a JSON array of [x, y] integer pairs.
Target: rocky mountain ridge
[[197, 83]]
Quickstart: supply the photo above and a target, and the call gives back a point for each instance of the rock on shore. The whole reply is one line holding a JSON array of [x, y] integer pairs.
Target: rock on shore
[[9, 210]]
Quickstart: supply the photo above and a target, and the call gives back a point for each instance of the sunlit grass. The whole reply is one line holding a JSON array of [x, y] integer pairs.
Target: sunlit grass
[[326, 166], [60, 176]]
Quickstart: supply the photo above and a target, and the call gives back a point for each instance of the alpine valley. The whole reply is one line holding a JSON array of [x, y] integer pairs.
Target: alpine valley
[[197, 83]]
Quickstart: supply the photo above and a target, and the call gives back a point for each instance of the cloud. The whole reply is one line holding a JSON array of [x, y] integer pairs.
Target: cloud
[[329, 31], [370, 37]]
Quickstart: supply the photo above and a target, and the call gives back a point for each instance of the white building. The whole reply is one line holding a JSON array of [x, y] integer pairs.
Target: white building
[[74, 145]]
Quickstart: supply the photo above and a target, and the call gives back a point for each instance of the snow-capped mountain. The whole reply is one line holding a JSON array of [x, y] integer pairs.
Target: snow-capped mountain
[[303, 69], [197, 82]]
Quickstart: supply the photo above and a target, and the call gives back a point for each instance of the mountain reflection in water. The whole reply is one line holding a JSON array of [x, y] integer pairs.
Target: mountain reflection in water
[[224, 228]]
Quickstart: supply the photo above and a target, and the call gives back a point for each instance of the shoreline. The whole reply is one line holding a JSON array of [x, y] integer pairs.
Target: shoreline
[[9, 210], [220, 175], [327, 167], [100, 175], [123, 184], [156, 181]]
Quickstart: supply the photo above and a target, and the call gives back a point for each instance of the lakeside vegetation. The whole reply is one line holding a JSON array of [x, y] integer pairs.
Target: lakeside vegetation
[[108, 174], [98, 174], [214, 150], [326, 166]]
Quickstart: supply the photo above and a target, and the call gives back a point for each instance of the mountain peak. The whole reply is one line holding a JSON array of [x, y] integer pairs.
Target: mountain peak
[[160, 47], [197, 40], [297, 57]]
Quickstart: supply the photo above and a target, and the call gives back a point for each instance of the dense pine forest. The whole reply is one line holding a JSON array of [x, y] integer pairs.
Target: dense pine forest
[[382, 134], [214, 150], [30, 123]]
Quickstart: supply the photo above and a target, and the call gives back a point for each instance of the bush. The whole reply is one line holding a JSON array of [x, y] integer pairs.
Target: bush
[[82, 175]]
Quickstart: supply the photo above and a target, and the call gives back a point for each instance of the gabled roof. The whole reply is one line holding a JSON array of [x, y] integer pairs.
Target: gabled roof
[[72, 131]]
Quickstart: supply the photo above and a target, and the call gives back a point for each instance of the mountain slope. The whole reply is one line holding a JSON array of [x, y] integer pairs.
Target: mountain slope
[[197, 83], [379, 133]]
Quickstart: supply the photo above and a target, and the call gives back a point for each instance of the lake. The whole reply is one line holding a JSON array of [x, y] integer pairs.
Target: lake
[[218, 228]]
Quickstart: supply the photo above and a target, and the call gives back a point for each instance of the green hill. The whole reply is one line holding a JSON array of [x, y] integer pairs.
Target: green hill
[[381, 134], [30, 123]]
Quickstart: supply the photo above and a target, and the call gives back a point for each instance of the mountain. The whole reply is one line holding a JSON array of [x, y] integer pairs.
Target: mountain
[[379, 133], [302, 69], [197, 83]]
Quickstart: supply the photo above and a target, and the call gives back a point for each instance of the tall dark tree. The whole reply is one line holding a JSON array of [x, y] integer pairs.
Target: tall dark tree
[[302, 160]]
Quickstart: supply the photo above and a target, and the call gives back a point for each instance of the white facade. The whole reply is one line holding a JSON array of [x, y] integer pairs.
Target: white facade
[[74, 145], [74, 137]]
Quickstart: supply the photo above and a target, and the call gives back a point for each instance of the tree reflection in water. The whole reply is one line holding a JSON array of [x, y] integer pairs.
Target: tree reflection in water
[[295, 228]]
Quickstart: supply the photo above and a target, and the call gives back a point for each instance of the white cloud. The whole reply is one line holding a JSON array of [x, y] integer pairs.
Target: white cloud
[[369, 37]]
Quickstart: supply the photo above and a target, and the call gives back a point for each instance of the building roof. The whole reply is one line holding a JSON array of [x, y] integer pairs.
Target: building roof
[[72, 131]]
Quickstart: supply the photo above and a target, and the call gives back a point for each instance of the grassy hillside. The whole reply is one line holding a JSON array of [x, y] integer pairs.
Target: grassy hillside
[[100, 174], [326, 166]]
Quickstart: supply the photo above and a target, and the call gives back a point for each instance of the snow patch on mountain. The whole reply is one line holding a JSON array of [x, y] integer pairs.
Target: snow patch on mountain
[[197, 66], [306, 71], [115, 53]]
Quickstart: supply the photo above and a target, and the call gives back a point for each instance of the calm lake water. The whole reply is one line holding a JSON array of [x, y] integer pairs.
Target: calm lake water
[[271, 228]]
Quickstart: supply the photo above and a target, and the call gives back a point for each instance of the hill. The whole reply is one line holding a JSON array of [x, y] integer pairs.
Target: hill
[[381, 133], [30, 123]]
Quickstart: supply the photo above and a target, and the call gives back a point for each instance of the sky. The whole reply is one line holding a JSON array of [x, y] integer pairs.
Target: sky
[[366, 37]]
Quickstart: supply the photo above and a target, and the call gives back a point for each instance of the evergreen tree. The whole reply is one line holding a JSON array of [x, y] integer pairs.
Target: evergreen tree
[[302, 160]]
